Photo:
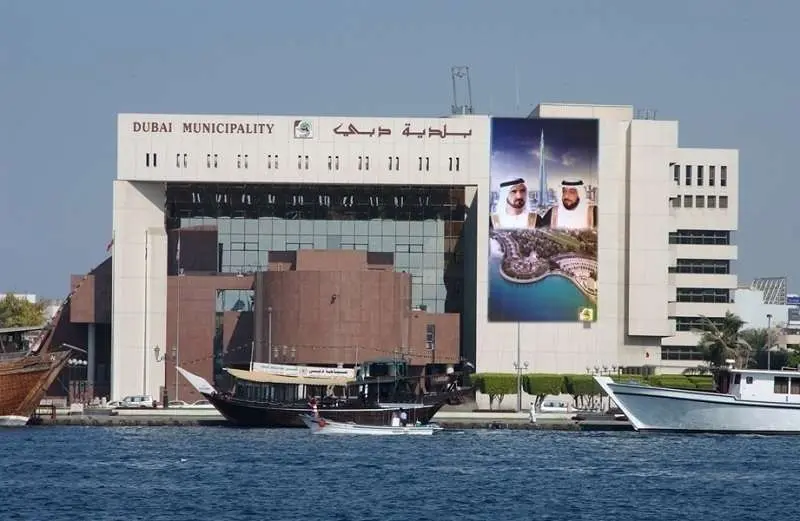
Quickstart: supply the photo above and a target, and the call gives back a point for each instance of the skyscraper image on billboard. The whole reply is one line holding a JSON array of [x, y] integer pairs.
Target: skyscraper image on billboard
[[543, 220]]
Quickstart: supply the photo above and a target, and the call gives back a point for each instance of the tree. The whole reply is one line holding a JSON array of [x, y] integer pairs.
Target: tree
[[722, 340], [20, 312]]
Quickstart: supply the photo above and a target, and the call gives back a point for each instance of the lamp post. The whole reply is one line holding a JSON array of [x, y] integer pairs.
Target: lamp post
[[519, 367], [269, 334], [769, 341]]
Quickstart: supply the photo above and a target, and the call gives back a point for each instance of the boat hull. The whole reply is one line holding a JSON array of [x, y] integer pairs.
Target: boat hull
[[325, 426], [23, 382], [252, 414], [658, 409]]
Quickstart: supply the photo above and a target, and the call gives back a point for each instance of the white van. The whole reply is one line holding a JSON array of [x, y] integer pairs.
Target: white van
[[140, 401]]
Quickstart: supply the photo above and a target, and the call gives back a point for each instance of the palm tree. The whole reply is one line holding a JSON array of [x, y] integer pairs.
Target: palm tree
[[721, 340]]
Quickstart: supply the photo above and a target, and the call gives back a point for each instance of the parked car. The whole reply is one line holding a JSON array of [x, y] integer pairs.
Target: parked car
[[139, 401]]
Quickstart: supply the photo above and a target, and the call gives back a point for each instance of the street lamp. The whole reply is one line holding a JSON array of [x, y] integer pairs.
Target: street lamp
[[519, 367], [161, 358], [769, 341]]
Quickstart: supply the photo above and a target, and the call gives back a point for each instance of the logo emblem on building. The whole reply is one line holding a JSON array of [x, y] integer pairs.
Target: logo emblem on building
[[586, 315], [303, 129]]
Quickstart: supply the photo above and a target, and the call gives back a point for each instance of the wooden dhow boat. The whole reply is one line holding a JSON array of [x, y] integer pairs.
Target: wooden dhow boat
[[24, 379], [277, 396], [320, 425]]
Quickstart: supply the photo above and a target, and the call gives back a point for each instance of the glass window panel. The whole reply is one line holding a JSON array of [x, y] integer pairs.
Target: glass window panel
[[306, 245], [278, 227], [415, 247], [387, 243], [416, 294], [416, 275], [439, 306], [264, 226], [350, 239], [387, 227], [430, 260], [306, 227], [402, 228], [334, 227], [428, 291], [431, 244], [251, 260], [375, 243], [401, 260], [292, 246], [415, 260], [361, 247], [348, 227], [415, 229], [440, 228], [320, 242], [237, 259], [278, 243], [441, 292], [362, 228], [440, 261], [237, 225], [320, 228], [223, 225], [375, 227], [430, 303], [430, 277], [429, 227], [264, 242], [251, 226], [292, 227], [333, 242], [237, 238]]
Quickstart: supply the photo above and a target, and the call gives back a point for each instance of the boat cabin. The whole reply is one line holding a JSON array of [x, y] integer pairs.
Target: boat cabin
[[781, 386]]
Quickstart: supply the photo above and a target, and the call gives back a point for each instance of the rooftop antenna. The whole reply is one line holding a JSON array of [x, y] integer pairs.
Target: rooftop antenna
[[460, 74]]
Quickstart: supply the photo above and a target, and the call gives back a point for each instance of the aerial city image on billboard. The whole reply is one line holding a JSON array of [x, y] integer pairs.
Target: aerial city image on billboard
[[543, 220]]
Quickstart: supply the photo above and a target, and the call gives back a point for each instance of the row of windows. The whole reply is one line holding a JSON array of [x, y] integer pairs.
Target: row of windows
[[689, 175], [304, 163], [707, 266], [681, 353], [705, 295], [701, 201], [781, 385], [694, 323], [711, 237]]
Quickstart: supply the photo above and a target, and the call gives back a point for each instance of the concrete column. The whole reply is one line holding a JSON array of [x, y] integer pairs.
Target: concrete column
[[91, 352]]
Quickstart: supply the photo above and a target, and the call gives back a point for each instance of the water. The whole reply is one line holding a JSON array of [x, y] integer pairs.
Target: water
[[221, 474]]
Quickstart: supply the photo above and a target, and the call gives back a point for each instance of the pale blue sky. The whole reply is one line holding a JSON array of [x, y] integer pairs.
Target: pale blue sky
[[727, 70]]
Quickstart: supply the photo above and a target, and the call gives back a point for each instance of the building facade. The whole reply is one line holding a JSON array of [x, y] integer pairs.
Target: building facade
[[563, 242]]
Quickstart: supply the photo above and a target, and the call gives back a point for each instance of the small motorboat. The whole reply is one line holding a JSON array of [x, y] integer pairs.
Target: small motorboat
[[319, 425]]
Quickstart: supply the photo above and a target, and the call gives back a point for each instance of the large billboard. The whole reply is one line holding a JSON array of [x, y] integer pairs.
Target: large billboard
[[543, 220]]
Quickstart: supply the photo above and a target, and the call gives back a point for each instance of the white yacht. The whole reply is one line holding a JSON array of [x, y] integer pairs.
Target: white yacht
[[747, 401]]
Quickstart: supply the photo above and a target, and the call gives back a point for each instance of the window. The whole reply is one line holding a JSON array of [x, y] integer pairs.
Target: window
[[453, 164], [688, 175], [723, 176], [305, 162], [699, 175], [272, 161], [299, 162], [178, 160], [366, 162], [241, 161], [676, 174], [723, 201], [703, 295], [695, 323], [427, 163], [712, 201], [676, 202], [712, 174], [702, 266], [179, 163], [151, 159], [712, 237], [458, 164], [360, 162], [781, 385], [699, 201], [681, 353], [687, 201], [795, 386], [216, 160]]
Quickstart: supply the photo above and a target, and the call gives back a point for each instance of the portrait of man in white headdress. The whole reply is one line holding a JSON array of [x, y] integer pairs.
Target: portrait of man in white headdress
[[574, 211], [513, 210]]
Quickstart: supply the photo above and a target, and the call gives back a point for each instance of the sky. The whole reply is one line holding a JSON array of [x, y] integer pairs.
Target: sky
[[726, 69]]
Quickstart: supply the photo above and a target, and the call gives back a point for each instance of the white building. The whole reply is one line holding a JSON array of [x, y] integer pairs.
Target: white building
[[664, 220]]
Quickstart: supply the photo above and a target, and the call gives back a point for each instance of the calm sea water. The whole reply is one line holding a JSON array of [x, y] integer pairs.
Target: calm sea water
[[220, 474]]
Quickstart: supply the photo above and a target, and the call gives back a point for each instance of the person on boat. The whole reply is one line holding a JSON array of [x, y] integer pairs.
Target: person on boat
[[314, 410], [395, 419], [403, 417]]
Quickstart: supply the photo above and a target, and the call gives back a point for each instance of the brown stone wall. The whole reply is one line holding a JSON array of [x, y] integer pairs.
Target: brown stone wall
[[195, 318], [91, 303], [199, 249]]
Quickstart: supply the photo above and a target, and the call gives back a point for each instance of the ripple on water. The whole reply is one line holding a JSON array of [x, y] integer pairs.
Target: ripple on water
[[155, 474]]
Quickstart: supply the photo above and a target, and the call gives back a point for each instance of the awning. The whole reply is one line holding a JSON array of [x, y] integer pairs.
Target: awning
[[261, 377]]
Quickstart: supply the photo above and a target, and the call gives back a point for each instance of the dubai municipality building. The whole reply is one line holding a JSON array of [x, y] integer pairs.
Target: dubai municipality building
[[576, 239]]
